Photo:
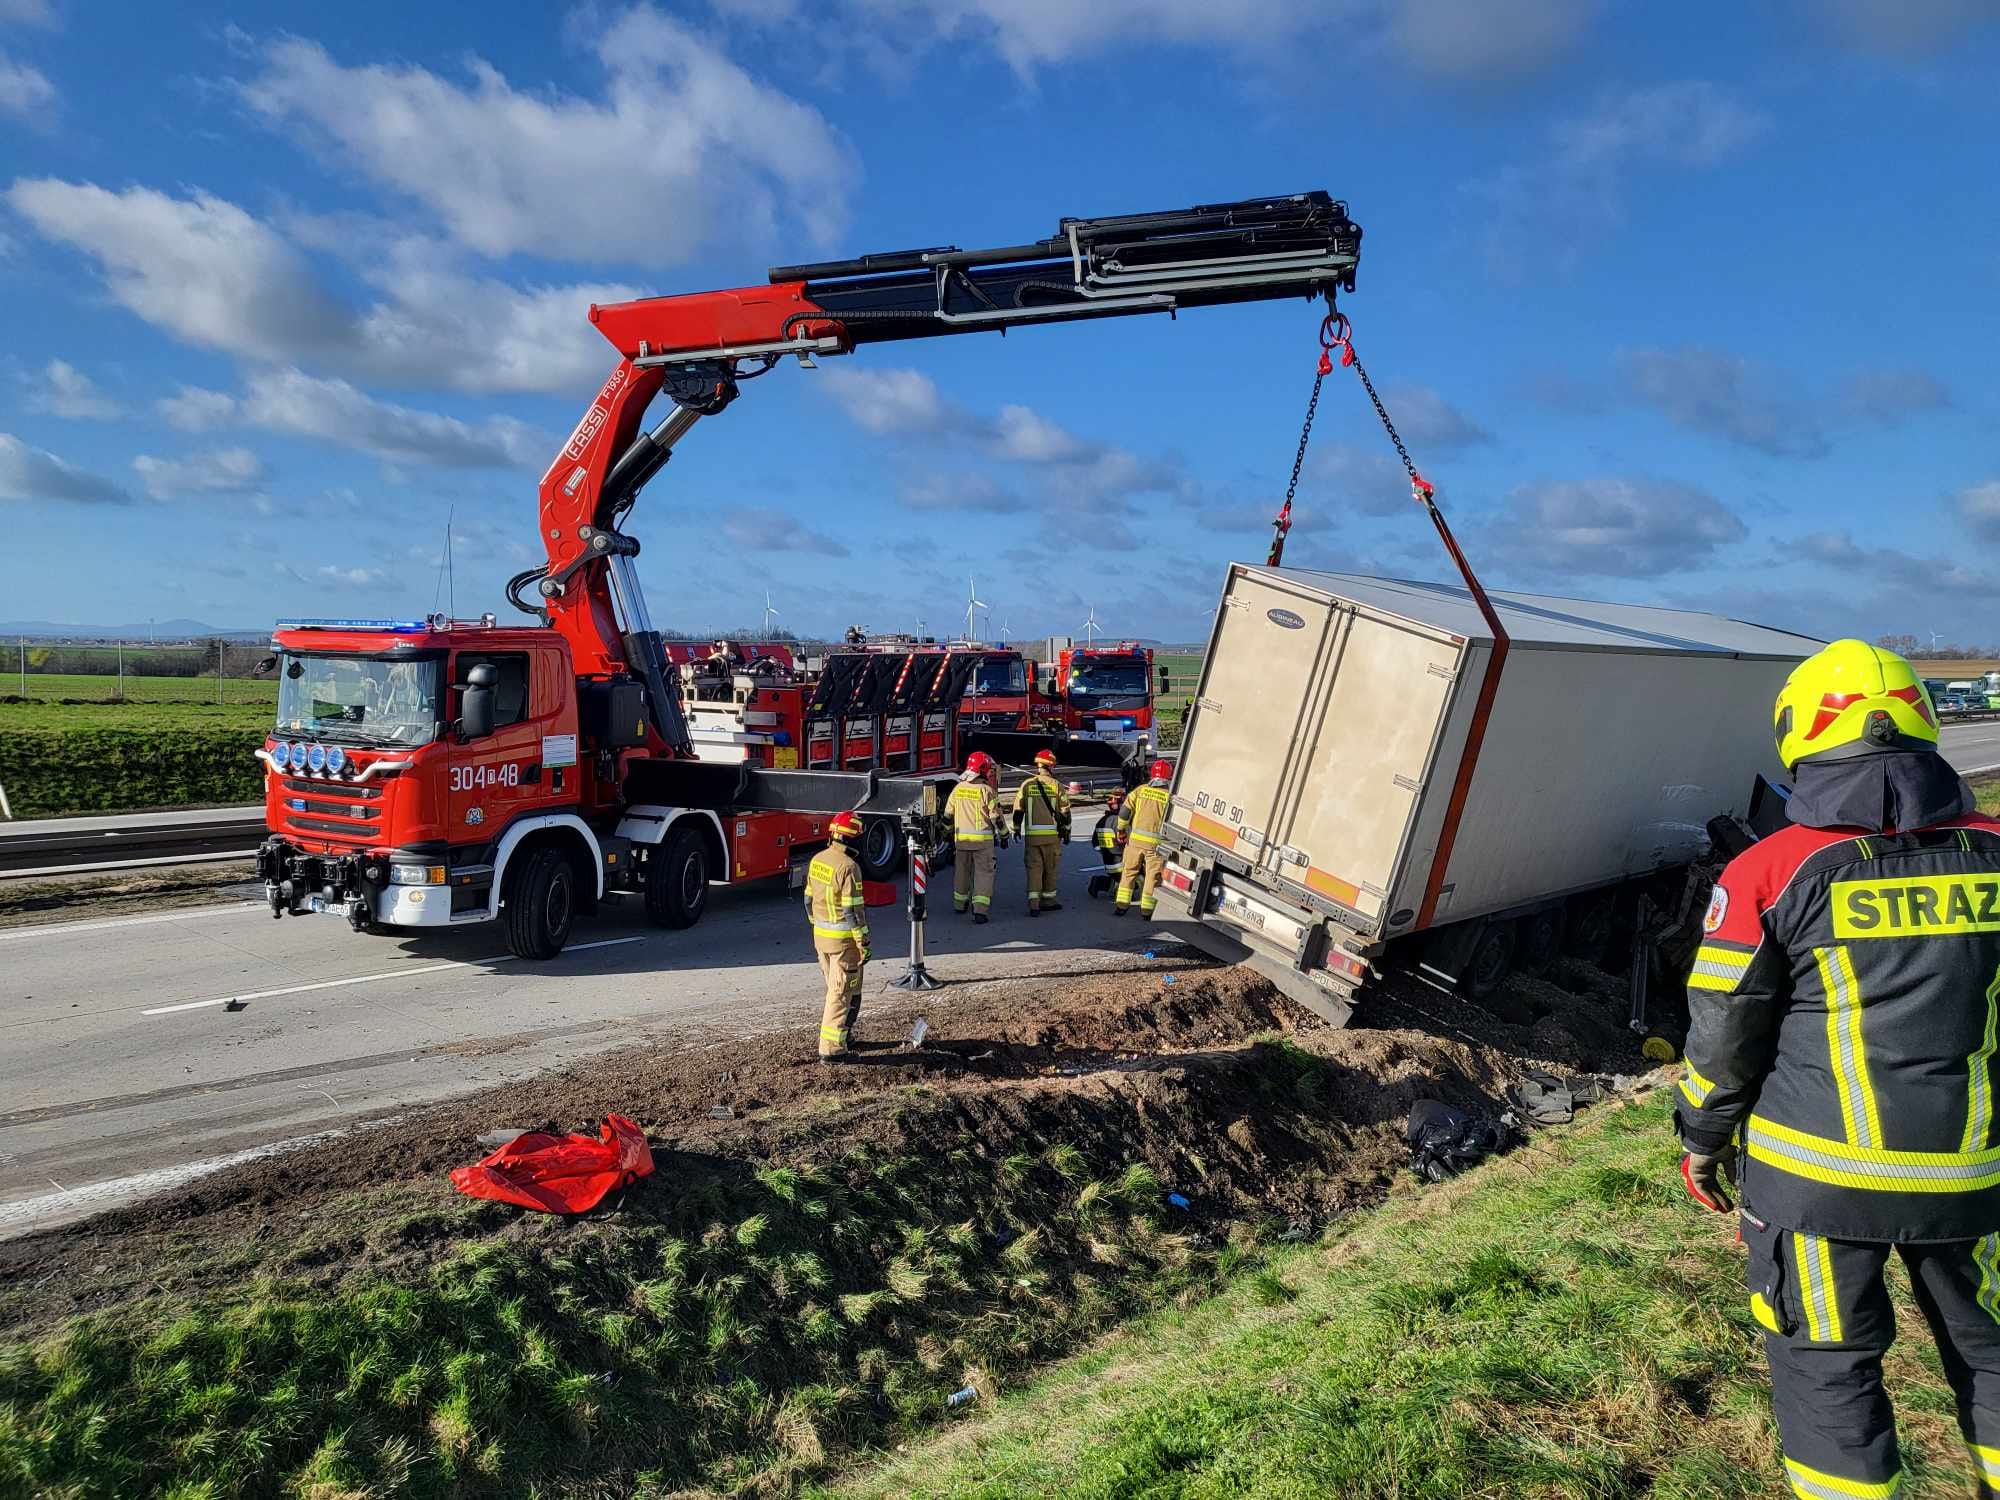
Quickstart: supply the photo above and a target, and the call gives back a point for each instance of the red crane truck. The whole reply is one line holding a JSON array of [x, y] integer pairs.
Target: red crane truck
[[429, 773]]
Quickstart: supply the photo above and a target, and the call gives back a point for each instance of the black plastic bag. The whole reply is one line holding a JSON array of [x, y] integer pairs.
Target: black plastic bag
[[1445, 1141]]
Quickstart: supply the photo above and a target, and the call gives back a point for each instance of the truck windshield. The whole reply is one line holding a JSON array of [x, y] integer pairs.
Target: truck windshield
[[1001, 677], [1127, 676], [359, 700]]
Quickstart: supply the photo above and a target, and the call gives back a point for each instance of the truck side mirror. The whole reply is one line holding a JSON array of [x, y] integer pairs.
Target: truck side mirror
[[475, 715], [1166, 681]]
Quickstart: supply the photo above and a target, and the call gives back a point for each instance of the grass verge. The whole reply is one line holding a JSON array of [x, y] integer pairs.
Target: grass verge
[[1987, 789], [1559, 1323], [728, 1329]]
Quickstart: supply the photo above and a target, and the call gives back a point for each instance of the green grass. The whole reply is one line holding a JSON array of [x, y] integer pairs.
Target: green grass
[[727, 1328], [1558, 1324], [95, 688], [1987, 790], [1170, 709], [132, 715]]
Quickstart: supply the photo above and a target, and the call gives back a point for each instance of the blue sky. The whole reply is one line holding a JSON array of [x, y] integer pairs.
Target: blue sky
[[1686, 304]]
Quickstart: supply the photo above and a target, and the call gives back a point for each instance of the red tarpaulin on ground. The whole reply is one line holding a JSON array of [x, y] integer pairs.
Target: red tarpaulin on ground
[[560, 1174]]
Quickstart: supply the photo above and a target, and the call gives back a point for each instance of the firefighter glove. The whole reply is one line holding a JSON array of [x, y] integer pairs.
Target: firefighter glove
[[1710, 1178]]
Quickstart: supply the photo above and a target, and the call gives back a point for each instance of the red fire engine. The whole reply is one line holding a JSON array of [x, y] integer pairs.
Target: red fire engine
[[429, 773], [1105, 692]]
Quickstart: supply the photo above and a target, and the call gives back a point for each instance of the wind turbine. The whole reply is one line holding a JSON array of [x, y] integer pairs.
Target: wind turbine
[[1091, 627], [972, 603], [1936, 636], [1006, 631], [770, 613]]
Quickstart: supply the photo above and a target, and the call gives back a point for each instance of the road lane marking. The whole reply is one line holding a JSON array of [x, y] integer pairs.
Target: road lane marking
[[334, 984], [60, 929]]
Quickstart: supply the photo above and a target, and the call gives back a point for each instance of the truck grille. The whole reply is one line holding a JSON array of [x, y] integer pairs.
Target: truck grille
[[330, 807]]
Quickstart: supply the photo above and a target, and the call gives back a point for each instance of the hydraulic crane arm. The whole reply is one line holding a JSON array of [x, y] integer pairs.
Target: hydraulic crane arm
[[699, 347]]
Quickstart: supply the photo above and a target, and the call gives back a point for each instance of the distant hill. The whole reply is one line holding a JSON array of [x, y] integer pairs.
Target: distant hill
[[158, 630]]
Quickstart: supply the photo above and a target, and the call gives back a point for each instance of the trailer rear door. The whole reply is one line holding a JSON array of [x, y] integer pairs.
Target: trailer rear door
[[1355, 792], [1250, 712]]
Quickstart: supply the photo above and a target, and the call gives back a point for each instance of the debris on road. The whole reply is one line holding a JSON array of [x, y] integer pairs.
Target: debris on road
[[560, 1174], [1445, 1141]]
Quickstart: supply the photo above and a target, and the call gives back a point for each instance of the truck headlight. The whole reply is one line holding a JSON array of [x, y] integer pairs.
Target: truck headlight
[[336, 760], [298, 755], [416, 874], [316, 758]]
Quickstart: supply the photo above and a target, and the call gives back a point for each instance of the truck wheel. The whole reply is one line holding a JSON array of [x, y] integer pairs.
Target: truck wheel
[[677, 879], [1492, 960], [539, 902], [1540, 939], [880, 850], [1587, 928]]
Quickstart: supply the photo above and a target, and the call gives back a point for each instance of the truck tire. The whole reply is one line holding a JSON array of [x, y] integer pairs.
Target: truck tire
[[677, 879], [1491, 962], [1587, 927], [880, 851], [538, 902], [1540, 940]]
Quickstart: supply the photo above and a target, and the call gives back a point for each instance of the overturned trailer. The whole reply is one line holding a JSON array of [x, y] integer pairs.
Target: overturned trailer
[[1373, 774]]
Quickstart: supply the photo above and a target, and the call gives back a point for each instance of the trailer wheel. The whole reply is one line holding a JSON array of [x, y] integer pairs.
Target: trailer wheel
[[881, 849], [539, 899], [1541, 939], [1492, 959], [677, 879], [1587, 928]]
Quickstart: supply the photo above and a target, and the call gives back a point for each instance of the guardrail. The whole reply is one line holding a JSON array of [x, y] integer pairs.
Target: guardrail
[[127, 841]]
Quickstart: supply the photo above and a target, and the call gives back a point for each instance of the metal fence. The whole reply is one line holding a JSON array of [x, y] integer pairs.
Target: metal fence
[[210, 671]]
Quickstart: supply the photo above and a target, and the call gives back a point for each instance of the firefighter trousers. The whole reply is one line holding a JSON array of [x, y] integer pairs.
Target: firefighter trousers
[[972, 878], [1140, 873], [1827, 1323], [841, 961], [1044, 865]]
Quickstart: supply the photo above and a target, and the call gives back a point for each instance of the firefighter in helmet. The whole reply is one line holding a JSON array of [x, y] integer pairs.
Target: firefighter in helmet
[[838, 910], [1139, 825], [1041, 819], [1840, 1065], [976, 823], [1104, 840]]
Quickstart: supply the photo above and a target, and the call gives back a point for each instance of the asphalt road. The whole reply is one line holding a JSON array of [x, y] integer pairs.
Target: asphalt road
[[1972, 747], [120, 1065]]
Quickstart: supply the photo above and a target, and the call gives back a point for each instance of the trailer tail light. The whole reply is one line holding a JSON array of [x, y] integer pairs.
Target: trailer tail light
[[1181, 880], [1347, 965]]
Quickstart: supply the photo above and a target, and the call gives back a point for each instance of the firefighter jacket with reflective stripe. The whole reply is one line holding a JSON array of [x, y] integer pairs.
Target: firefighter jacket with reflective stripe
[[1145, 813], [835, 903], [1105, 835], [975, 813], [1041, 809], [1843, 1004]]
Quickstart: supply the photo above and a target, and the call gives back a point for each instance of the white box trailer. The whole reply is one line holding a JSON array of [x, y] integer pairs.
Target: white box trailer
[[1345, 787]]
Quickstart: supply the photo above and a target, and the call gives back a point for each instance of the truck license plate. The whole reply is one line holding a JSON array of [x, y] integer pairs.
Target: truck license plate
[[315, 903]]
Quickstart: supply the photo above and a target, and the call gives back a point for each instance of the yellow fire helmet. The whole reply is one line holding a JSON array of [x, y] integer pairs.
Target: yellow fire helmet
[[1851, 698]]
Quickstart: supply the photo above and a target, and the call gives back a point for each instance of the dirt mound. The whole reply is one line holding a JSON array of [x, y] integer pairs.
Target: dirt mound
[[1242, 1104]]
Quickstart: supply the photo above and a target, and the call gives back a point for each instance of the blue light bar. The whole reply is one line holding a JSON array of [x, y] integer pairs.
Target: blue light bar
[[400, 627]]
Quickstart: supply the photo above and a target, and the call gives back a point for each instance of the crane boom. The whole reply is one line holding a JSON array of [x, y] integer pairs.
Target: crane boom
[[699, 347]]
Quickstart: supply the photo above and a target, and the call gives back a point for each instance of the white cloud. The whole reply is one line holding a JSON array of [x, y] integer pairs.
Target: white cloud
[[1724, 395], [29, 475], [193, 409], [1362, 479], [683, 147], [351, 577], [65, 391], [1428, 421], [1879, 565], [23, 90], [214, 276], [1485, 40], [890, 401], [765, 530], [1574, 189], [27, 12], [215, 472], [1611, 528], [1978, 506], [296, 404], [1891, 396], [958, 492], [1908, 28]]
